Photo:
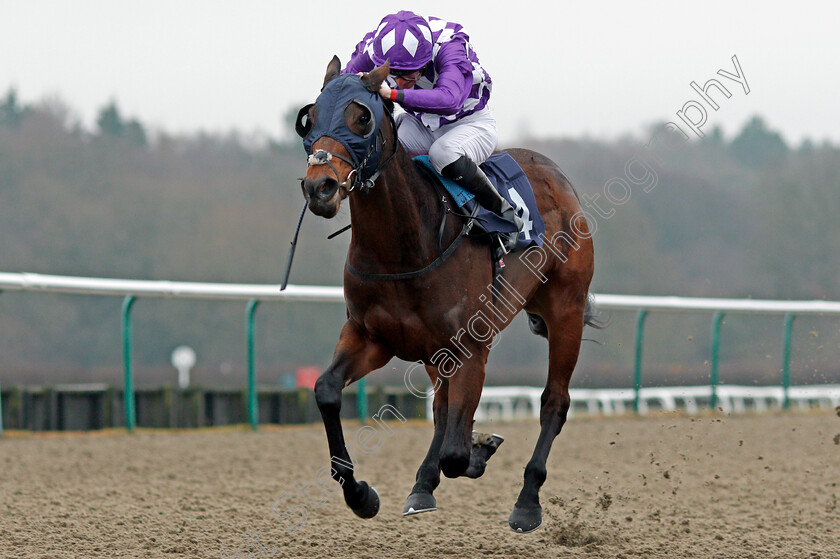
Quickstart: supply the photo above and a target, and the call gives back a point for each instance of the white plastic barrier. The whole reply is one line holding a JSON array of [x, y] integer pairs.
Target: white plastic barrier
[[826, 396], [505, 403], [734, 399]]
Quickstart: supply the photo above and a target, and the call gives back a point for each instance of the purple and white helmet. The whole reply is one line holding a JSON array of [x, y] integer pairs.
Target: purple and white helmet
[[403, 38]]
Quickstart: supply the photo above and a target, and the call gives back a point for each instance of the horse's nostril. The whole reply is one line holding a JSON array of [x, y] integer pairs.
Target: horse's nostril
[[326, 188], [321, 188]]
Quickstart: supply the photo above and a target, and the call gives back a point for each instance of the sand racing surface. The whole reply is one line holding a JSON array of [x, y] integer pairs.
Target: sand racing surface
[[667, 486]]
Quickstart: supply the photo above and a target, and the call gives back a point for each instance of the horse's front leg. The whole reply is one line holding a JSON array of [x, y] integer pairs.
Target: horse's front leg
[[355, 356], [428, 475], [462, 399]]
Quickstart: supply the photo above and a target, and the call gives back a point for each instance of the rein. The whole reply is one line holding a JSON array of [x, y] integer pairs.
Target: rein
[[368, 184], [356, 179]]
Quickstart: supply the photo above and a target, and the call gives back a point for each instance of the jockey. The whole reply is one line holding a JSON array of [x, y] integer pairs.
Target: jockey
[[437, 79]]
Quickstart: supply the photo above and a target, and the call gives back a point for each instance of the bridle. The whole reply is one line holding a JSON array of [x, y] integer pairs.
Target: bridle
[[355, 178], [368, 149], [324, 157]]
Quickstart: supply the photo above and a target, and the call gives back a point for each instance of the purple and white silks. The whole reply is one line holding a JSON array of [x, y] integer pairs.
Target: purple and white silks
[[453, 86]]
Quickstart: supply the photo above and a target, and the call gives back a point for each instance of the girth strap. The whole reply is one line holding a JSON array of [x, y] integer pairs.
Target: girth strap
[[426, 269]]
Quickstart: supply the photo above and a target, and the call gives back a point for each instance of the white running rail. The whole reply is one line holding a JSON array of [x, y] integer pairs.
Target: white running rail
[[322, 293], [504, 402], [165, 288]]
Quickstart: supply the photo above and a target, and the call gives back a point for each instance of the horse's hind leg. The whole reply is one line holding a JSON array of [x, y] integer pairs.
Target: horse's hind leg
[[428, 475], [355, 356], [565, 327]]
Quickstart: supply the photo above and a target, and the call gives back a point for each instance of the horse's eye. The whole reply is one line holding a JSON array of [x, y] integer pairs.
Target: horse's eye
[[359, 119]]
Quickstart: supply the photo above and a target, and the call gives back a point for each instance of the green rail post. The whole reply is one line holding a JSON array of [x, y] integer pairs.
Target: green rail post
[[253, 411], [128, 383], [362, 400], [786, 339], [637, 368], [713, 376]]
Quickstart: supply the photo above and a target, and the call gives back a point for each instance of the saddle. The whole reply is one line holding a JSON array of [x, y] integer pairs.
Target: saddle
[[513, 185], [511, 182]]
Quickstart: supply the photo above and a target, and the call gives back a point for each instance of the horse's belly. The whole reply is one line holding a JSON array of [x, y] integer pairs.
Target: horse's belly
[[403, 333], [409, 334]]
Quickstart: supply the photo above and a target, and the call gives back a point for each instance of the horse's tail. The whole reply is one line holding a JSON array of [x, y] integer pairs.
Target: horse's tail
[[591, 314], [591, 317], [537, 325]]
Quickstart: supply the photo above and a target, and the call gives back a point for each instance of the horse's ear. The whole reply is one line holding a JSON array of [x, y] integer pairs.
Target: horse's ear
[[333, 69], [373, 79]]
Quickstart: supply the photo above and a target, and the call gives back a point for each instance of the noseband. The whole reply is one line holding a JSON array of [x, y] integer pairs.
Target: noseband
[[323, 157]]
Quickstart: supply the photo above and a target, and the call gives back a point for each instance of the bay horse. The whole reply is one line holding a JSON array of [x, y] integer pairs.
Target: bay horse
[[405, 298]]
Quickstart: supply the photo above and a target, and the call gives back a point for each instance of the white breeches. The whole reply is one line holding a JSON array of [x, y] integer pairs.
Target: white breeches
[[475, 136]]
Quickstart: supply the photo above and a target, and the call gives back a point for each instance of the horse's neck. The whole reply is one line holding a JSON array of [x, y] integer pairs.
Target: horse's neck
[[395, 225]]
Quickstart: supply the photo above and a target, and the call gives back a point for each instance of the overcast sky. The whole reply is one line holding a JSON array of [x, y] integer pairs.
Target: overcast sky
[[558, 68]]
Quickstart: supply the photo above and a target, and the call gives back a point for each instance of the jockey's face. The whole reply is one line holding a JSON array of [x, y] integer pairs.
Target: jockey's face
[[407, 81]]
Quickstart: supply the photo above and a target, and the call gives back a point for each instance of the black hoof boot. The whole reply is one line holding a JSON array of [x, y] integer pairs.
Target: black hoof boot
[[524, 520], [484, 446], [419, 502], [370, 502]]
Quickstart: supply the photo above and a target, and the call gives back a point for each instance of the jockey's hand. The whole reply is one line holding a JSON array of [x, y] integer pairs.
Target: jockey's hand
[[385, 90]]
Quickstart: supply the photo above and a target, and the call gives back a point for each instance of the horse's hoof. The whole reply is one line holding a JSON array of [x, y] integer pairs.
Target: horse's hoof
[[370, 503], [477, 467], [484, 446], [419, 502], [524, 520], [492, 441], [454, 465]]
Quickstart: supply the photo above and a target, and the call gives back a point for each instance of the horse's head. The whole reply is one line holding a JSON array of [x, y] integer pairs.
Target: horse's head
[[340, 132]]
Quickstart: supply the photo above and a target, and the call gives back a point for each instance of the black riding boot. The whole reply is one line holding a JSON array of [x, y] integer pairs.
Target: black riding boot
[[467, 174]]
